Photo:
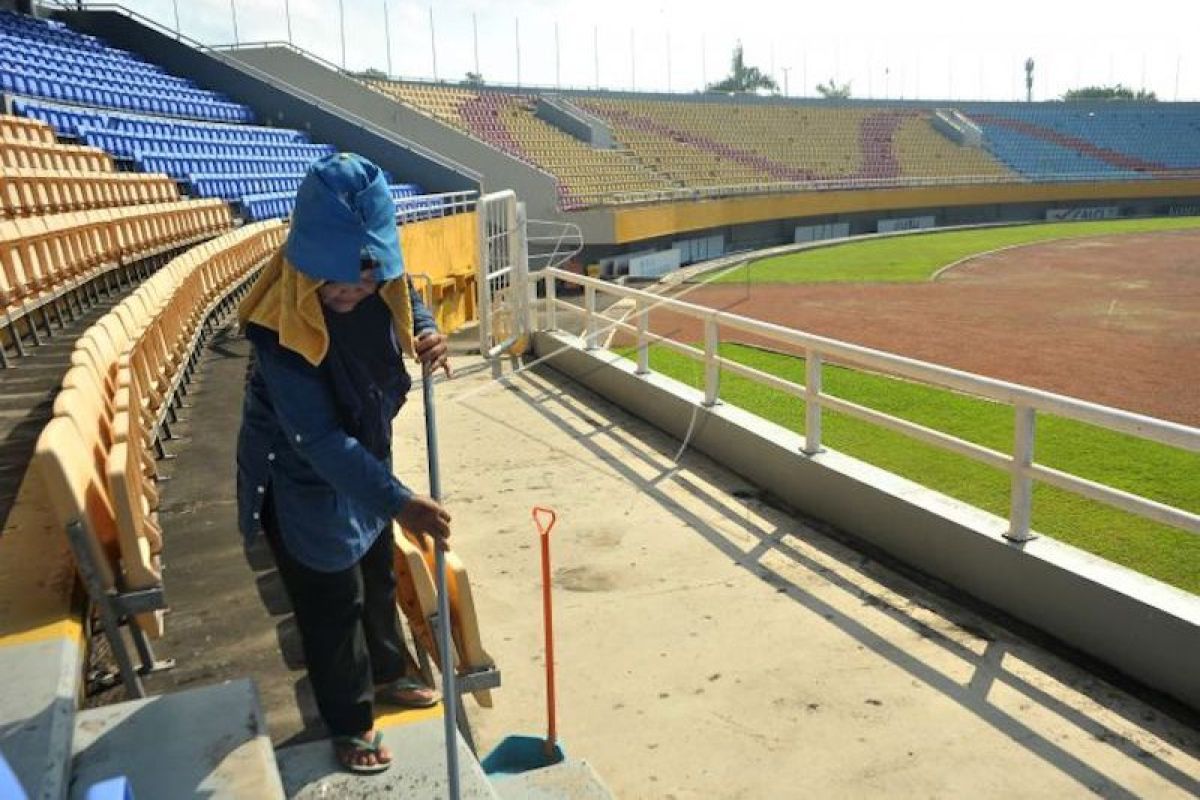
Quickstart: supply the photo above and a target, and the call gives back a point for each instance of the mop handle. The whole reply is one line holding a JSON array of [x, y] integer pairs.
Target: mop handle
[[548, 623], [445, 643]]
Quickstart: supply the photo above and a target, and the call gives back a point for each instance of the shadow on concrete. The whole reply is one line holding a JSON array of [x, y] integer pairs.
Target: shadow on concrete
[[557, 398]]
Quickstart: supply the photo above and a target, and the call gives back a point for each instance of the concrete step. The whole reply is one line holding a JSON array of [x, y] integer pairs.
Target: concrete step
[[418, 769], [205, 742], [572, 779]]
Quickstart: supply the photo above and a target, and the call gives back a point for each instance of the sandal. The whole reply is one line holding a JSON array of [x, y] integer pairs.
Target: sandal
[[348, 749], [407, 693]]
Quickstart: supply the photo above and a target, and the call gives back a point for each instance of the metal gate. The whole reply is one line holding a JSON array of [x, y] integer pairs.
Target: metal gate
[[507, 295], [503, 274]]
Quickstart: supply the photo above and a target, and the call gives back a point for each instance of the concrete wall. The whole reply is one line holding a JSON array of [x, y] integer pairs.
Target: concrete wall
[[1143, 628], [280, 101]]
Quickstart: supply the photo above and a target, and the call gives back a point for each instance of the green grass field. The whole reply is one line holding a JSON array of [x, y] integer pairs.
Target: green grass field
[[1161, 473], [916, 257]]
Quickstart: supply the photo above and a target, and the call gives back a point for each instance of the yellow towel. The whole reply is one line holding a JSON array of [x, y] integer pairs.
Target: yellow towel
[[285, 300]]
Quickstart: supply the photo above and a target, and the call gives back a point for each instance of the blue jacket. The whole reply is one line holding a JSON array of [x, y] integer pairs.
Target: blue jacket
[[332, 495]]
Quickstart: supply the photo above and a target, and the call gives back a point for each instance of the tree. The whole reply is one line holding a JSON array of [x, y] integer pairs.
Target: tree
[[742, 78], [472, 79], [373, 74], [833, 90], [1117, 93]]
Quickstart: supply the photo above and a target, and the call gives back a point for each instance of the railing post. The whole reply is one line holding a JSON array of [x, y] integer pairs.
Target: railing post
[[1022, 483], [551, 303], [812, 403], [712, 369], [643, 344], [589, 316]]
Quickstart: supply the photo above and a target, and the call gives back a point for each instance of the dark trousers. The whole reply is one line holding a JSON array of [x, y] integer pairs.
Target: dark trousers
[[349, 628]]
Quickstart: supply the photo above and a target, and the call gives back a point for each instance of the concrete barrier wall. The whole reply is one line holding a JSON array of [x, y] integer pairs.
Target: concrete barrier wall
[[637, 223], [1141, 627]]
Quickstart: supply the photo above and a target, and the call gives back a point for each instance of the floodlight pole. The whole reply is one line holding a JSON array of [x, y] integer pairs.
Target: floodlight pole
[[517, 35], [557, 75], [596, 52], [632, 61], [433, 43], [387, 37], [342, 26], [475, 32], [287, 15], [233, 12], [668, 61], [786, 70], [1029, 80], [177, 31]]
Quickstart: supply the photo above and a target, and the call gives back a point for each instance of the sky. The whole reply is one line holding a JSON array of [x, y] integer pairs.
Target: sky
[[924, 49]]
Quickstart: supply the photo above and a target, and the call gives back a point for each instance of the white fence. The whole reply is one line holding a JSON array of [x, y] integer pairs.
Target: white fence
[[1026, 402]]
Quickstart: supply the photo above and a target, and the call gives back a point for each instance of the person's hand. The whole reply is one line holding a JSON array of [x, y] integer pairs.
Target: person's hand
[[432, 352], [425, 516]]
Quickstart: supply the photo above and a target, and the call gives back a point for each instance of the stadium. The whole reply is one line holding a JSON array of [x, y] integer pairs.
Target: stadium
[[869, 424]]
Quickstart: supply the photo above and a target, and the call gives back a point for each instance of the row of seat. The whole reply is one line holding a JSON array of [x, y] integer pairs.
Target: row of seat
[[127, 373], [181, 167], [51, 37], [74, 68], [45, 260], [33, 192], [71, 120], [131, 145], [20, 129], [61, 157]]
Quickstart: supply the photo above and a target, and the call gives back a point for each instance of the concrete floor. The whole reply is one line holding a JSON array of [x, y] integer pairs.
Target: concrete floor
[[708, 644]]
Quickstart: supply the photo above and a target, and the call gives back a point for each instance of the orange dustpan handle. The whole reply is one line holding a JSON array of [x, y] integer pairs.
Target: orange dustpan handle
[[539, 514]]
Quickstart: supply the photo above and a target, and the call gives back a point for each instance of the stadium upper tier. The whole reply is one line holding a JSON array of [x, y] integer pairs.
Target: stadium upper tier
[[112, 100], [698, 143]]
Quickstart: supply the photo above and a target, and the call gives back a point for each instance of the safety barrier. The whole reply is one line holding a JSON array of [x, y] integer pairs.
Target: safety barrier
[[1026, 402]]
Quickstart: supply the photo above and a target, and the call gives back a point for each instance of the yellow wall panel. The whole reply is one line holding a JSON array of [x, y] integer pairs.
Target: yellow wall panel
[[666, 219]]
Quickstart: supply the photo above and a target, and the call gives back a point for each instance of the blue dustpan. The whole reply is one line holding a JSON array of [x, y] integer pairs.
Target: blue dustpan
[[522, 754]]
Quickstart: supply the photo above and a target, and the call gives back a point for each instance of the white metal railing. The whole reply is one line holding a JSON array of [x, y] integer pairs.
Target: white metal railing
[[841, 184], [428, 206], [1025, 401]]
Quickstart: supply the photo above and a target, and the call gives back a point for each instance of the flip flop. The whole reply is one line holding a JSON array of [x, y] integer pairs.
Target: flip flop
[[348, 748], [394, 694]]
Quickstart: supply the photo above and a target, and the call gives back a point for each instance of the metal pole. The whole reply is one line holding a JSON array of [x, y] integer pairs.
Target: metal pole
[[287, 14], [812, 404], [387, 38], [557, 76], [475, 32], [1178, 61], [643, 344], [712, 369], [596, 57], [589, 311], [342, 24], [177, 31], [668, 62], [433, 43], [445, 642], [1022, 484], [517, 29], [233, 10], [632, 61], [703, 62], [786, 70]]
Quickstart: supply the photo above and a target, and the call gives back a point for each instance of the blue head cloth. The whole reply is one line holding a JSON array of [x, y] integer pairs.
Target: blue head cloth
[[344, 214]]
